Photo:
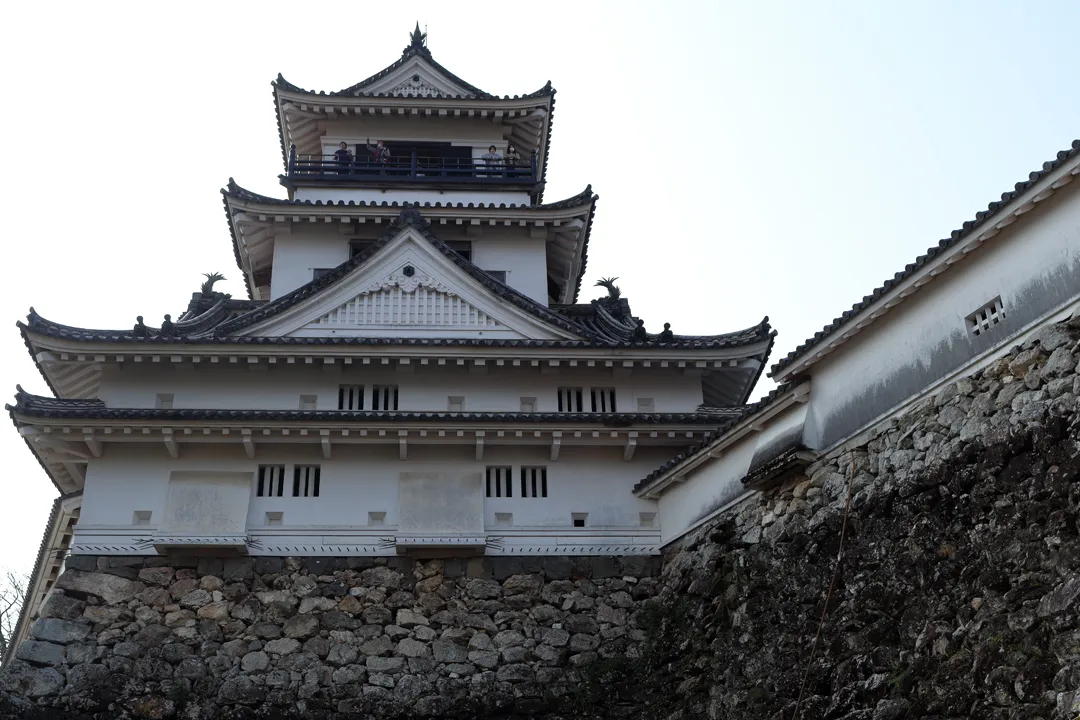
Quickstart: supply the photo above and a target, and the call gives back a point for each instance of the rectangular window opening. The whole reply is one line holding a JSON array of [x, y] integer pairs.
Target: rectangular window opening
[[455, 403], [570, 399], [528, 404], [350, 397], [534, 482], [270, 481], [578, 519], [164, 401], [603, 400], [306, 481], [384, 397], [986, 317], [376, 519], [462, 248], [504, 519], [498, 482], [647, 519], [309, 402], [274, 518], [141, 517]]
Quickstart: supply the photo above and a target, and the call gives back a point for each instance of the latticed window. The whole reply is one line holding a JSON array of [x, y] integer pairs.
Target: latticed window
[[570, 399], [270, 481], [306, 481], [986, 317], [534, 482], [350, 397], [498, 482], [384, 397], [603, 400]]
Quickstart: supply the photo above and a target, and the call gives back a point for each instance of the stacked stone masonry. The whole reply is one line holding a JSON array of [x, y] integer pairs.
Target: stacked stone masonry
[[957, 595]]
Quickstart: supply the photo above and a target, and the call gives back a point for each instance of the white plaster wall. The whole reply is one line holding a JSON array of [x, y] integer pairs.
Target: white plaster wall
[[309, 246], [361, 479], [523, 259], [1034, 265], [707, 488], [425, 388], [399, 195], [457, 130], [298, 253]]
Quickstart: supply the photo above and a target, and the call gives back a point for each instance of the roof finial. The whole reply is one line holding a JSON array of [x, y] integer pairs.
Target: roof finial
[[418, 40]]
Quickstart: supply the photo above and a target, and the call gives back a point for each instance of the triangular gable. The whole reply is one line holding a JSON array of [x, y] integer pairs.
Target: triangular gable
[[418, 78], [408, 288]]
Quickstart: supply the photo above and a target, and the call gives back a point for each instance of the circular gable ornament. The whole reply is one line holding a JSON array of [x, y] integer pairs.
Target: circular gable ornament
[[408, 271]]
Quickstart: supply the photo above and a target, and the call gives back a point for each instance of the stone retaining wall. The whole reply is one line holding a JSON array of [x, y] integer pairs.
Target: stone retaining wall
[[154, 637]]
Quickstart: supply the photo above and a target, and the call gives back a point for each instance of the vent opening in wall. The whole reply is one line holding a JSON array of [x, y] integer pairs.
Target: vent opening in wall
[[274, 519], [647, 519], [504, 519], [498, 482], [306, 481], [578, 519], [646, 405], [163, 401], [376, 519], [986, 317], [528, 404], [271, 481], [141, 517], [309, 402], [455, 403]]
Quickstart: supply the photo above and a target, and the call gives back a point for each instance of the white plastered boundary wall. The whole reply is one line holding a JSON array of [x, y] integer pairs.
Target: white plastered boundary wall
[[359, 492], [910, 353]]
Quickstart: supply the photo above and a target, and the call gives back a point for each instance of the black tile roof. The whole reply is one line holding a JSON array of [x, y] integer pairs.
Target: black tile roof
[[28, 405], [746, 412], [585, 198], [981, 218]]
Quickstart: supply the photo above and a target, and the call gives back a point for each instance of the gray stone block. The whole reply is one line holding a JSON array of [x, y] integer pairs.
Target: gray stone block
[[41, 653]]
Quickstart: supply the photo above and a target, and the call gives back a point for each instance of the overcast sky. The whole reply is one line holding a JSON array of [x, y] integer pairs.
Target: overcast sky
[[753, 158]]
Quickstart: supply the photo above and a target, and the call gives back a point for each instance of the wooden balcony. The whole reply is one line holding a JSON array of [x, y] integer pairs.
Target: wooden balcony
[[412, 169]]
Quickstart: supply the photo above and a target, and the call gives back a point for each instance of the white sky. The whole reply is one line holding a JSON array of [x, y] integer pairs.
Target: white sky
[[755, 158]]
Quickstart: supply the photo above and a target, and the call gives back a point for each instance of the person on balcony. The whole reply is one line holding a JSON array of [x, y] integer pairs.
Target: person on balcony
[[513, 160], [379, 152], [492, 159], [343, 157]]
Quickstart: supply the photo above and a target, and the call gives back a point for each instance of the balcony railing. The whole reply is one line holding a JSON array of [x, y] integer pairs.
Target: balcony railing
[[412, 168]]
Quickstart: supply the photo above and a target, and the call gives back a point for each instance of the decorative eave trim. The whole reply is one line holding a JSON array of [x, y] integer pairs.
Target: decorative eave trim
[[786, 463], [754, 419], [1027, 196]]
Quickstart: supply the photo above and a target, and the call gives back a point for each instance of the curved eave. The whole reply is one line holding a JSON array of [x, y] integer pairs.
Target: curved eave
[[1052, 176]]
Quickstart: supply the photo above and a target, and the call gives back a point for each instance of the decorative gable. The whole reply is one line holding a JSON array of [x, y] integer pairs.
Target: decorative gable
[[417, 78], [408, 289], [415, 300]]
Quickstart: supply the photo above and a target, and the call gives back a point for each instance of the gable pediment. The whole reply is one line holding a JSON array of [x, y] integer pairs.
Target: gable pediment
[[417, 78], [408, 289]]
